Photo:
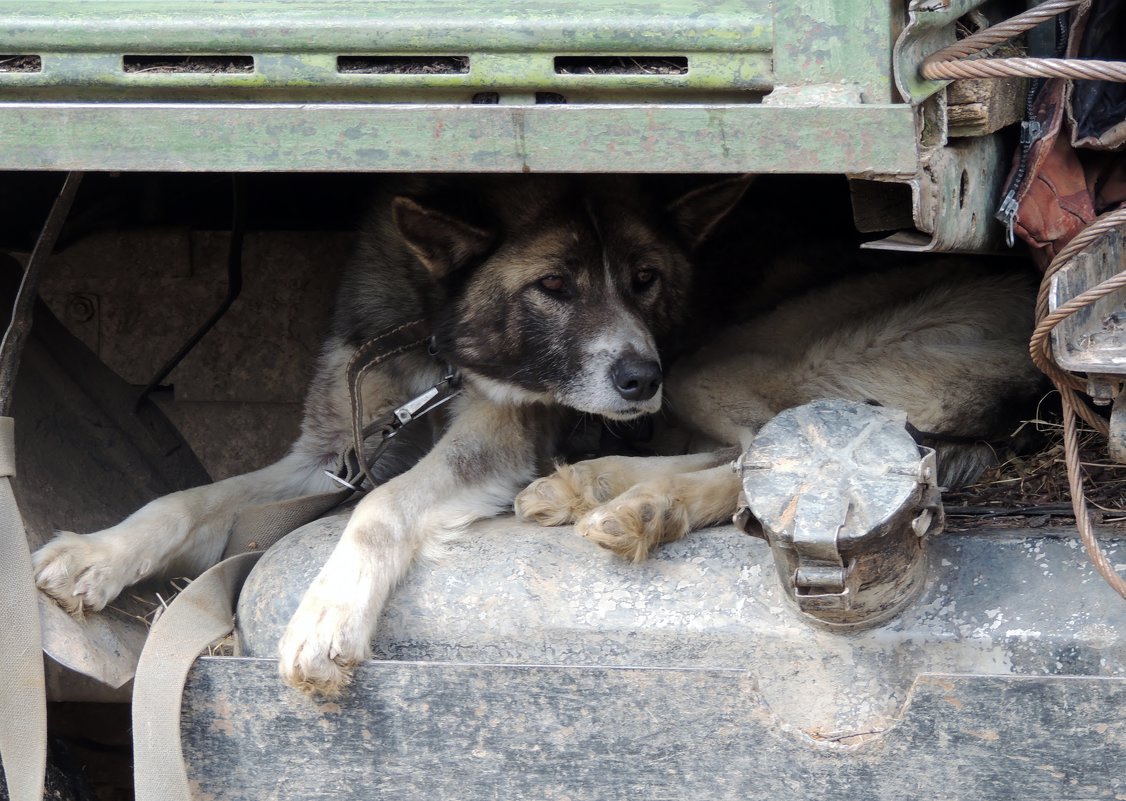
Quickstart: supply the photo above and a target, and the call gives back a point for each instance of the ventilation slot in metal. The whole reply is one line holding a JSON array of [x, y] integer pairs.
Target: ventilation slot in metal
[[621, 65], [403, 65], [21, 64], [196, 64]]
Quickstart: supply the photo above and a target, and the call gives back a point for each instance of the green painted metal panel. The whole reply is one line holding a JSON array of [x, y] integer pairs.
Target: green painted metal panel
[[385, 25], [72, 76], [85, 99], [291, 48], [855, 140], [836, 42]]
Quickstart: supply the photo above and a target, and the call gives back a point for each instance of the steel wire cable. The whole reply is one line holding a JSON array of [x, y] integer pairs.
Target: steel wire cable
[[1074, 68], [1070, 386], [954, 62], [1003, 31]]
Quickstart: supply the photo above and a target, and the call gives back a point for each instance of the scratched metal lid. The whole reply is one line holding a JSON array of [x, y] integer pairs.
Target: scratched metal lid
[[833, 468]]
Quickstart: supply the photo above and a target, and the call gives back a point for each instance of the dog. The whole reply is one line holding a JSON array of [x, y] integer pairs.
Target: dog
[[552, 296], [946, 342], [545, 293]]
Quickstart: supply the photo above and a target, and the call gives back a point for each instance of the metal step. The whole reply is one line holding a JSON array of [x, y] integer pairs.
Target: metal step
[[530, 662]]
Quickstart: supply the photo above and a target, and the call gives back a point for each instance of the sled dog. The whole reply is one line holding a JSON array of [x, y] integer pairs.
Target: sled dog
[[545, 293], [552, 295]]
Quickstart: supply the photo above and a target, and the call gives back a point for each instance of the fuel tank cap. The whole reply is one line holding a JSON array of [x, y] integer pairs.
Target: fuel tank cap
[[846, 499]]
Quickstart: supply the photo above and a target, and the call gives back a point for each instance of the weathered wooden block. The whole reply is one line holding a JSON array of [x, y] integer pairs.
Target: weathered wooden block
[[980, 106]]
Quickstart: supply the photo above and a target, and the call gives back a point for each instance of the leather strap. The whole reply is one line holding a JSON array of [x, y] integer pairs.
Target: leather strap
[[259, 527], [369, 355]]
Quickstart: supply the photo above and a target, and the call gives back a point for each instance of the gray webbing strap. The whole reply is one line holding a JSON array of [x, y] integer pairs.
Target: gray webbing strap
[[23, 696], [259, 527], [198, 616]]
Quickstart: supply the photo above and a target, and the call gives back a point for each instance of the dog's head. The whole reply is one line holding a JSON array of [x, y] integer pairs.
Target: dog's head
[[562, 289]]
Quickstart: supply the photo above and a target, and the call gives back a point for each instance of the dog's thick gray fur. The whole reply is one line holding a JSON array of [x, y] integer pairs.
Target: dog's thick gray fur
[[552, 294], [547, 293]]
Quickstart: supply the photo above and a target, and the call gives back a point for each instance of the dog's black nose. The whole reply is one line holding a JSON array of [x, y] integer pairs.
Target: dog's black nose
[[636, 380]]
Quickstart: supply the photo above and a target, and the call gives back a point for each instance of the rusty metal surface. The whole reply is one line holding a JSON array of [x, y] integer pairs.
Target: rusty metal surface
[[836, 43], [391, 26], [929, 28], [510, 592], [74, 92], [957, 186], [955, 193]]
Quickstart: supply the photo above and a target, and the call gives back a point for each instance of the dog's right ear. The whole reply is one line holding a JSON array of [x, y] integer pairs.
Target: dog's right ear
[[699, 212], [441, 242]]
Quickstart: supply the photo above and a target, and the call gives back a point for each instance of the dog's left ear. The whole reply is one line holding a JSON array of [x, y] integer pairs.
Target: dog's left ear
[[698, 212], [441, 242]]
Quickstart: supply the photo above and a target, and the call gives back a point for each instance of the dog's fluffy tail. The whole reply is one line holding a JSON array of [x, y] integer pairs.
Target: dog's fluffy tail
[[961, 464]]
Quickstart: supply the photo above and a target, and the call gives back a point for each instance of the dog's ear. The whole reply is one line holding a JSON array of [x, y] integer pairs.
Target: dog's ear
[[441, 242], [698, 212]]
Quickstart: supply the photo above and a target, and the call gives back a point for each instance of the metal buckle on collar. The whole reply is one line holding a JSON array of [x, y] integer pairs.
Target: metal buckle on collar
[[342, 481], [438, 395], [351, 474]]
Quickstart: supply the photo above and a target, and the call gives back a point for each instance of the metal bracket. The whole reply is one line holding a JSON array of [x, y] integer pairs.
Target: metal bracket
[[438, 395], [1116, 441]]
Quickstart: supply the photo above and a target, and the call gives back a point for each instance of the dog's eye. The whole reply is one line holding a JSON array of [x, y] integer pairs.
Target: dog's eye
[[553, 283], [644, 278]]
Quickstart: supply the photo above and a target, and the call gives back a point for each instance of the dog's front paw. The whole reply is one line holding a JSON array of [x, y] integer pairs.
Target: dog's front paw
[[633, 524], [81, 573], [321, 647], [568, 493]]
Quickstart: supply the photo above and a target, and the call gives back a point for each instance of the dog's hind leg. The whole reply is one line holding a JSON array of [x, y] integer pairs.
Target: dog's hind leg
[[662, 510], [575, 489], [473, 471]]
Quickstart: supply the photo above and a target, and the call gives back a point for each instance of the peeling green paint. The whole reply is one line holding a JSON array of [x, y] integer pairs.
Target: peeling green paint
[[363, 137], [391, 25], [294, 109]]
